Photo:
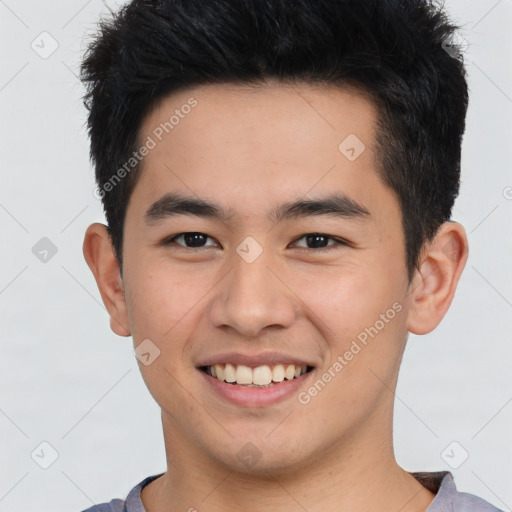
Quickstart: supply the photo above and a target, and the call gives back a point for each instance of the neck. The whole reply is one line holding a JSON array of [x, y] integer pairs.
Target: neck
[[354, 474]]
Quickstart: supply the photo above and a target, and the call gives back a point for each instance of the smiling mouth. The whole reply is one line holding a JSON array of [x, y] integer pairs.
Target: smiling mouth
[[256, 377]]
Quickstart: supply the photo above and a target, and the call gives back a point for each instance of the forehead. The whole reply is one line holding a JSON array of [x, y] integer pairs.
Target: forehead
[[268, 143], [270, 113]]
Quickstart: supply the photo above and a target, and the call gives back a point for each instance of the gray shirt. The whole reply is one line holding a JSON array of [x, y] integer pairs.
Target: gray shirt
[[447, 498]]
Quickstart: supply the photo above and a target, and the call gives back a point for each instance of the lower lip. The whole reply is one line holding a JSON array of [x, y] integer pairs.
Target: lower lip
[[255, 397]]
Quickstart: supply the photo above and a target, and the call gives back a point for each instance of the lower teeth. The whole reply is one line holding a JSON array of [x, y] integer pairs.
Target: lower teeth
[[253, 385]]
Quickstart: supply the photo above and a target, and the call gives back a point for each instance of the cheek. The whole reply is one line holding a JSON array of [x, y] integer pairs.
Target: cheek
[[356, 304], [343, 297], [161, 298], [366, 336]]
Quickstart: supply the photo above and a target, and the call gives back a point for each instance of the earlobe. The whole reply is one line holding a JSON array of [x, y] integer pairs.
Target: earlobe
[[100, 257], [434, 284]]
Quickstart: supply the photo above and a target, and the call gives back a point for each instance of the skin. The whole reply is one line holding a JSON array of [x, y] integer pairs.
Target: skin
[[249, 150]]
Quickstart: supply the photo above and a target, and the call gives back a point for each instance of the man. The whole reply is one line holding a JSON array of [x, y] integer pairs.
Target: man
[[278, 179]]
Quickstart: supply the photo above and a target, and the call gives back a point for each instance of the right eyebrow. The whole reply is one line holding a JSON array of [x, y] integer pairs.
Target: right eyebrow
[[173, 204]]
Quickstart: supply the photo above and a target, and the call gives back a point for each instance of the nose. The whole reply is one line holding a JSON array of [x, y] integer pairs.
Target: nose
[[252, 297]]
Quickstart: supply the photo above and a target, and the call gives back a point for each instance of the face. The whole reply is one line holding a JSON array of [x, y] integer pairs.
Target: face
[[260, 235]]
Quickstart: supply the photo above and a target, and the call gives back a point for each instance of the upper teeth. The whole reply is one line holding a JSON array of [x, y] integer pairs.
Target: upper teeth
[[260, 375]]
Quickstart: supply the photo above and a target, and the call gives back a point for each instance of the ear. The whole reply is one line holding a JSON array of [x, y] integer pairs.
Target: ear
[[434, 285], [100, 256]]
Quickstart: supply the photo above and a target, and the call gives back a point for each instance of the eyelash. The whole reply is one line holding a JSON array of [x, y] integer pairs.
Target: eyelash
[[339, 241]]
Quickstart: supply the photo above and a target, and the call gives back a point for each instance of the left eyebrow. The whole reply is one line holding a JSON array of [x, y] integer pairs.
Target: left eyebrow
[[337, 205]]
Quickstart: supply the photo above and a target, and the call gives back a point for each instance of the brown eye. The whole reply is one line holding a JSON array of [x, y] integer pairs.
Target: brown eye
[[320, 242], [190, 240]]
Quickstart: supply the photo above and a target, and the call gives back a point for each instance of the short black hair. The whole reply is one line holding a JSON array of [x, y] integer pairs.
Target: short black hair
[[394, 51]]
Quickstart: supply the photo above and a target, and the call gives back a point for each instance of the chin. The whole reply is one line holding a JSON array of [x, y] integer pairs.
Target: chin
[[257, 455]]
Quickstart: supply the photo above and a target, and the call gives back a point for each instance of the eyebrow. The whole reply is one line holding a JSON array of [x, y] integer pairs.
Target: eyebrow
[[335, 205]]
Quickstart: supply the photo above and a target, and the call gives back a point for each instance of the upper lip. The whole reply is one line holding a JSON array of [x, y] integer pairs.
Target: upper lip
[[264, 358]]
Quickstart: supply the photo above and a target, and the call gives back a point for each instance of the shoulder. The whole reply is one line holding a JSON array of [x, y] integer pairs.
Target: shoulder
[[463, 501], [115, 505], [448, 498], [132, 503]]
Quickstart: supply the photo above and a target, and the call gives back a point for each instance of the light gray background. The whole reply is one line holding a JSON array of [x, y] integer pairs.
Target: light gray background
[[66, 379]]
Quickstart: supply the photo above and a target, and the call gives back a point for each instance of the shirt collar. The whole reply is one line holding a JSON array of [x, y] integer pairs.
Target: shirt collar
[[440, 483]]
